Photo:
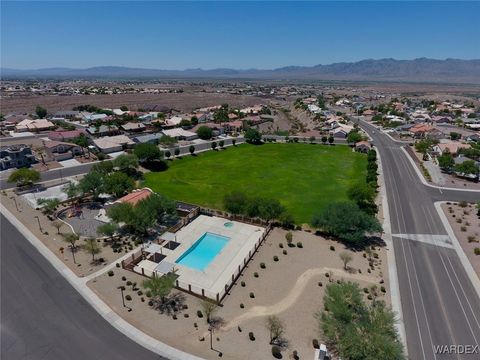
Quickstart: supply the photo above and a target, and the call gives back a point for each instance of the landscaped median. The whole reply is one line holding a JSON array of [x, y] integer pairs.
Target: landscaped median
[[305, 178]]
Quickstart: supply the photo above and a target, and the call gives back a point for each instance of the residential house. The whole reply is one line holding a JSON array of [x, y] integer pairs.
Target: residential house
[[34, 125], [363, 146], [65, 135], [148, 138], [172, 122], [58, 150], [475, 138], [133, 127], [66, 114], [103, 130], [233, 126], [89, 117], [451, 147], [109, 144], [136, 196], [180, 134], [15, 156]]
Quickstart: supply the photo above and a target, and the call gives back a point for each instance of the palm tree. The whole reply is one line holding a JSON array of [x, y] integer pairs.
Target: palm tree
[[91, 246], [71, 238]]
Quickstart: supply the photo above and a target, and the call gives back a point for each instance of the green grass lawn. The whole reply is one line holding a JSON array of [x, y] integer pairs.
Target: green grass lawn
[[303, 177]]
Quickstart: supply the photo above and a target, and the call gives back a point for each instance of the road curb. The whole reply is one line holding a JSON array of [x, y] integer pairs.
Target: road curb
[[79, 284], [472, 275], [392, 265]]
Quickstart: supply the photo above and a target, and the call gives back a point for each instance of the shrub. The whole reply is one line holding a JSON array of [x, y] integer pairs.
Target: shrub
[[295, 355], [320, 284], [129, 283], [275, 258], [284, 252], [142, 299], [299, 244], [139, 293], [262, 265], [239, 329], [471, 238], [110, 273], [117, 265], [124, 278], [242, 283], [199, 314], [174, 317], [365, 290], [150, 303], [252, 295], [242, 306], [369, 297], [255, 274], [277, 354], [280, 245], [251, 336], [148, 294], [315, 344], [186, 316], [332, 247], [476, 251], [128, 297], [382, 289], [463, 204], [463, 228]]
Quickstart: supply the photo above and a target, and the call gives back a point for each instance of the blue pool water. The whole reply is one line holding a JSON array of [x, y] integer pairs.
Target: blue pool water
[[203, 251]]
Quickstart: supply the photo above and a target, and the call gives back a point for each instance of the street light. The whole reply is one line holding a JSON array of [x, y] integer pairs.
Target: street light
[[15, 201], [122, 289], [39, 225]]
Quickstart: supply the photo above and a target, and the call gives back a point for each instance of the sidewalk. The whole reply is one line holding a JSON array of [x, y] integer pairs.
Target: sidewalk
[[107, 313]]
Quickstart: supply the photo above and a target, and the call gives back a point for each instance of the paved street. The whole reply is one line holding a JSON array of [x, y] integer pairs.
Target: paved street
[[439, 303], [43, 317]]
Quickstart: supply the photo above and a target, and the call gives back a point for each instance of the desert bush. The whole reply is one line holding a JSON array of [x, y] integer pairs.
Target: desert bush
[[262, 265], [476, 251], [128, 297], [252, 295], [199, 314], [251, 336], [255, 274], [284, 252], [242, 306], [242, 283], [315, 344], [277, 354], [332, 247], [299, 244], [110, 273], [275, 258]]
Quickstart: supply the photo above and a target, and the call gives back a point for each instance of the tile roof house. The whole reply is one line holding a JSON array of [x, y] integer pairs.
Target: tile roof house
[[179, 133], [450, 147], [362, 146], [58, 150], [103, 130], [109, 144], [34, 125], [148, 138], [133, 127], [135, 196], [65, 135]]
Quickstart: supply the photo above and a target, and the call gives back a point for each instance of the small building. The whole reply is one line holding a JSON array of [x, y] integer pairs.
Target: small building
[[136, 196], [65, 135], [89, 117], [148, 138], [180, 134], [103, 130], [133, 127], [58, 150], [450, 147], [34, 125], [363, 146], [109, 144], [16, 156]]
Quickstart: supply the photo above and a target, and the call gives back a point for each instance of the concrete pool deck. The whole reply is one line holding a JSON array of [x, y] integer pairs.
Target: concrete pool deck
[[229, 261]]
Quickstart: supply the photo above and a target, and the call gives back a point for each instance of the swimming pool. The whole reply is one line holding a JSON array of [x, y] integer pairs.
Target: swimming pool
[[203, 251]]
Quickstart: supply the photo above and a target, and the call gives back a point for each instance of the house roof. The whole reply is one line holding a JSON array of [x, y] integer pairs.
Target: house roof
[[177, 132], [135, 196], [35, 124], [133, 126], [363, 143], [107, 142]]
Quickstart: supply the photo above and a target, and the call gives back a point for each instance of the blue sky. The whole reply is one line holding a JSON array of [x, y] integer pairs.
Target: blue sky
[[231, 34]]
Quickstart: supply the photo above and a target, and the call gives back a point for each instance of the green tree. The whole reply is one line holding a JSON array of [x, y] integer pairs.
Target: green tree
[[354, 137], [103, 167], [72, 190], [40, 111], [221, 143], [363, 195], [324, 139], [160, 288], [356, 330], [147, 152], [424, 146], [176, 151], [253, 136], [107, 229], [118, 184], [209, 308], [48, 205], [221, 114], [92, 183], [204, 132], [213, 145], [191, 149], [455, 135], [347, 222], [270, 209], [467, 168], [126, 163], [24, 176], [124, 108], [289, 238], [91, 246], [235, 202], [331, 139], [71, 239], [167, 141], [446, 161]]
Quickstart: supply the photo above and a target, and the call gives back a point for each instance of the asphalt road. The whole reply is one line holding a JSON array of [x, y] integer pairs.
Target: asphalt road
[[439, 304], [43, 317]]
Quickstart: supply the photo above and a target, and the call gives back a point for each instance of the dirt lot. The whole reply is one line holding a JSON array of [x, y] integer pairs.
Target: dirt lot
[[183, 102], [289, 288], [466, 226]]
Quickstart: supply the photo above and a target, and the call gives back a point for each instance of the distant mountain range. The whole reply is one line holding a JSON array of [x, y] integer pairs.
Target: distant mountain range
[[417, 70]]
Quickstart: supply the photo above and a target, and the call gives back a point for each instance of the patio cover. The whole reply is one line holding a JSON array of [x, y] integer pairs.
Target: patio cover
[[153, 248], [164, 267], [168, 236]]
